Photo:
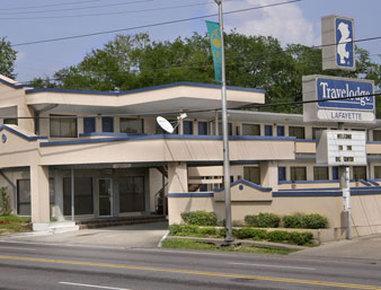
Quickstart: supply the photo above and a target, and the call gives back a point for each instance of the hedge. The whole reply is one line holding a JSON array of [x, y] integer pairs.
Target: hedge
[[278, 236], [305, 221], [263, 220], [200, 218]]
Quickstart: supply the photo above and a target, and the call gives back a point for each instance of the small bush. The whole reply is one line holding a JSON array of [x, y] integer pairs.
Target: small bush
[[182, 230], [305, 221], [200, 218], [196, 231], [5, 202], [301, 239], [278, 236], [249, 233], [263, 220]]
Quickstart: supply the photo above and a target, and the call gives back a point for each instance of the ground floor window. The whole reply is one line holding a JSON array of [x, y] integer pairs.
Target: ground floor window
[[377, 172], [83, 195], [359, 172], [23, 197], [131, 194], [321, 173], [252, 174], [298, 173]]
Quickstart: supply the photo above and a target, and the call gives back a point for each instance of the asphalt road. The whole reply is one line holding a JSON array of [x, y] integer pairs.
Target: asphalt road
[[39, 266]]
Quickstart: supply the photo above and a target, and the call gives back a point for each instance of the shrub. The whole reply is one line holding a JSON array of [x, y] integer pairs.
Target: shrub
[[182, 230], [196, 231], [278, 236], [200, 218], [250, 233], [305, 221], [5, 202], [263, 220], [300, 239]]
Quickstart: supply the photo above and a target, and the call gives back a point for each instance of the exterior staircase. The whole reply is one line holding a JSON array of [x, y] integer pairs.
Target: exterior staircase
[[119, 221]]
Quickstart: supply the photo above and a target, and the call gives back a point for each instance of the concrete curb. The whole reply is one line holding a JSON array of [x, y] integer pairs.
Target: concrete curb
[[243, 242], [163, 239]]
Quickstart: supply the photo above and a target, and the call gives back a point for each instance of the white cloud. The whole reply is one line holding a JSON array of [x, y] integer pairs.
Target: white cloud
[[286, 22]]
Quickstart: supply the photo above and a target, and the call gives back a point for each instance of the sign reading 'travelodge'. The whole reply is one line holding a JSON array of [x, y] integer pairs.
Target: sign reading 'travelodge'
[[338, 99]]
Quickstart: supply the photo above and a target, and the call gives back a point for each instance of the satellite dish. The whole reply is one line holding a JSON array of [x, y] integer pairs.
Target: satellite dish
[[165, 124]]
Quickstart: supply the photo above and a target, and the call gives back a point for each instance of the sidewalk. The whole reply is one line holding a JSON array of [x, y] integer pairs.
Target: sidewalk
[[360, 248]]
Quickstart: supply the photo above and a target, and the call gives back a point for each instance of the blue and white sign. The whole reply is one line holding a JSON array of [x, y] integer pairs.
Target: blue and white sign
[[338, 35], [338, 99], [344, 43]]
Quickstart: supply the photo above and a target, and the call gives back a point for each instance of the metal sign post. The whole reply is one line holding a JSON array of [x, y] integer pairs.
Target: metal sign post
[[345, 187]]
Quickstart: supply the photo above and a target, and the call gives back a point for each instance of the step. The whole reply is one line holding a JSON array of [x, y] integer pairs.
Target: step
[[100, 223]]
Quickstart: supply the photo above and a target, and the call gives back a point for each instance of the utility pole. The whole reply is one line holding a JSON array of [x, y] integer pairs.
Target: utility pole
[[228, 212]]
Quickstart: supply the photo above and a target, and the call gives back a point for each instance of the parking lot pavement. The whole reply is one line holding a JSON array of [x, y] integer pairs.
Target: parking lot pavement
[[360, 248], [129, 236]]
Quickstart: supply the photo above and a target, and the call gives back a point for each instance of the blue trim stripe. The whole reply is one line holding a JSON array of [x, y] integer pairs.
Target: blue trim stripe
[[22, 135], [191, 194], [307, 181], [326, 192], [146, 89]]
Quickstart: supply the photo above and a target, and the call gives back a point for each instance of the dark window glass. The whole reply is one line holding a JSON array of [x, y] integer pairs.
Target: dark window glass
[[10, 121], [252, 174], [83, 195], [202, 128], [297, 132], [131, 194], [281, 173], [280, 131], [188, 127], [268, 130], [321, 173], [359, 172], [131, 126], [316, 133], [63, 126], [376, 135], [230, 129], [298, 173], [107, 124], [23, 197], [251, 129], [88, 124], [377, 172], [335, 173]]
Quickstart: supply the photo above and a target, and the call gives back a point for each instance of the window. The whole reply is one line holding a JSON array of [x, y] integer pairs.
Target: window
[[10, 121], [377, 172], [89, 125], [280, 131], [316, 133], [131, 126], [359, 172], [131, 194], [297, 132], [63, 126], [202, 128], [251, 129], [252, 174], [335, 173], [376, 135], [83, 195], [23, 197], [230, 129], [282, 173], [268, 130], [107, 124], [321, 173], [188, 127], [298, 173]]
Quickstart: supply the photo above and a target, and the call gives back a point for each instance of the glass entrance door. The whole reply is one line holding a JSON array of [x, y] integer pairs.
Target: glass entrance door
[[105, 197]]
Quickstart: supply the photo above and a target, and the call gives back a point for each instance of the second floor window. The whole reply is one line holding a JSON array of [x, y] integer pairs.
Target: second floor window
[[297, 132], [252, 173], [202, 128], [63, 126], [280, 131], [251, 129], [321, 173], [188, 127], [268, 130], [10, 121], [359, 172], [376, 135], [282, 173], [316, 133], [298, 173], [107, 124], [131, 126], [88, 124]]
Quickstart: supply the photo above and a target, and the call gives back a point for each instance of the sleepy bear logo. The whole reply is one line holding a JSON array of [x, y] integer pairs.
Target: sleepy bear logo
[[344, 41]]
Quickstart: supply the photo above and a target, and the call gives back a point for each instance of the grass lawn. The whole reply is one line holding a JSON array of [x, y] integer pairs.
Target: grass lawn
[[14, 224], [199, 245]]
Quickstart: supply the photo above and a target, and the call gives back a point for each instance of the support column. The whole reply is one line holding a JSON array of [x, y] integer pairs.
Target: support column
[[177, 183], [40, 204], [58, 212], [269, 174]]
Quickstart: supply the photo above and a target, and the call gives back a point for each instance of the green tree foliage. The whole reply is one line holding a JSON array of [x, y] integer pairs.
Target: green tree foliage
[[7, 58], [130, 62]]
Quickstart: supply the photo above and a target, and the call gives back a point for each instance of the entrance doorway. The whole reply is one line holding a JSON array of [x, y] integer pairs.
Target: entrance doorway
[[105, 197]]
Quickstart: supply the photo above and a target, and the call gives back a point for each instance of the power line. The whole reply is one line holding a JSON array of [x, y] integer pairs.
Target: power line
[[49, 5], [150, 25]]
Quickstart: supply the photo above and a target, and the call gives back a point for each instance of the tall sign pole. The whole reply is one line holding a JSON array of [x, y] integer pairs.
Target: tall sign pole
[[225, 133]]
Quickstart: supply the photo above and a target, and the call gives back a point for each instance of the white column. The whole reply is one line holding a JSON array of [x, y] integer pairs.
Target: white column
[[269, 174], [40, 204], [177, 183], [58, 212]]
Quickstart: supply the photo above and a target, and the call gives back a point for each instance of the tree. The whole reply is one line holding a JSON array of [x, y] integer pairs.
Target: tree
[[7, 58]]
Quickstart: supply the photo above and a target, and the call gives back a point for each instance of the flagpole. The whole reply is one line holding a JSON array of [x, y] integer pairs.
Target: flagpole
[[226, 165]]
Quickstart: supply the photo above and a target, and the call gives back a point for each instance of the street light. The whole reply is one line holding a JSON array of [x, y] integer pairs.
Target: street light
[[228, 212]]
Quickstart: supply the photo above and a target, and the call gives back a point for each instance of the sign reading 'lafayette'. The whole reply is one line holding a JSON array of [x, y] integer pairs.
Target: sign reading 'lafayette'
[[338, 99]]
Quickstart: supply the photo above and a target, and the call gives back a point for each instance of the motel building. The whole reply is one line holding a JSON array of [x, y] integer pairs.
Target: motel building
[[71, 156]]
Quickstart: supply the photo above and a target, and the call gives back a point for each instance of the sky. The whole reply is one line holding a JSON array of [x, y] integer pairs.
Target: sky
[[24, 21]]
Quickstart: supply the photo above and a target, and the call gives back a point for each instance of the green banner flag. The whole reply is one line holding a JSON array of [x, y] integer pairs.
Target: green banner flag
[[216, 44]]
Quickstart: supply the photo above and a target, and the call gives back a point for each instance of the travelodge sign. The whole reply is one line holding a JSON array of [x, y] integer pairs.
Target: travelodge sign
[[337, 99]]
